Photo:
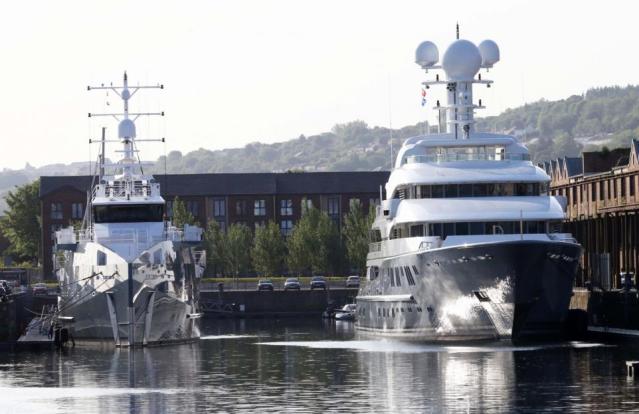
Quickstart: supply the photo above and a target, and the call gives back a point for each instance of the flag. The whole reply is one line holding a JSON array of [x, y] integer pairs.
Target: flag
[[423, 96]]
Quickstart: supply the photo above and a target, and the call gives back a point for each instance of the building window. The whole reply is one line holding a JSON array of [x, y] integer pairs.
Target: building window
[[260, 224], [286, 207], [219, 207], [222, 225], [77, 210], [169, 209], [306, 204], [241, 208], [333, 206], [286, 227], [192, 207], [54, 228], [375, 201], [56, 211], [259, 208]]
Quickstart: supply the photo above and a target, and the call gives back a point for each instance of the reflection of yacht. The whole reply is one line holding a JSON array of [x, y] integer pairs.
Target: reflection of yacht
[[466, 245], [128, 276]]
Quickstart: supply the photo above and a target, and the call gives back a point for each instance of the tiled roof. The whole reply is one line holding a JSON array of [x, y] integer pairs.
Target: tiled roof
[[244, 183], [574, 166]]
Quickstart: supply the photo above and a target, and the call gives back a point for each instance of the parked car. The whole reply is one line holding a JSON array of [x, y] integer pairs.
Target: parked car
[[318, 282], [265, 284], [292, 283], [352, 282], [40, 289]]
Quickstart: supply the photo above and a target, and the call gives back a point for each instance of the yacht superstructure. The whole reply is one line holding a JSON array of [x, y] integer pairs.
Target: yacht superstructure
[[127, 275], [467, 243]]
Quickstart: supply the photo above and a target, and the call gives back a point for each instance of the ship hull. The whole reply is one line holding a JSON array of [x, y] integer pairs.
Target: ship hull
[[507, 290], [95, 304]]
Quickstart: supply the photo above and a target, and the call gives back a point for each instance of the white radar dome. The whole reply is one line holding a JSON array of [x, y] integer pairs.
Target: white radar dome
[[427, 54], [126, 129], [489, 53], [461, 61]]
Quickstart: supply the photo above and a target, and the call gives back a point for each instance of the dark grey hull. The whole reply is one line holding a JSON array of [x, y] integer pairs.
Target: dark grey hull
[[159, 317], [517, 290]]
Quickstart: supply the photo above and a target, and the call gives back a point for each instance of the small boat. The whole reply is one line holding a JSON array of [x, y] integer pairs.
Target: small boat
[[347, 313]]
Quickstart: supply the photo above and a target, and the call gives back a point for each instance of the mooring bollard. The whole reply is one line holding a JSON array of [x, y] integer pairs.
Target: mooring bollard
[[631, 367]]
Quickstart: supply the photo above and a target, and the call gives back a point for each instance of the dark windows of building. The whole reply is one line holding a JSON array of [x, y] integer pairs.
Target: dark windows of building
[[286, 227], [374, 201], [286, 207], [305, 204], [169, 208], [77, 210], [260, 224], [222, 225], [192, 207], [631, 183], [56, 211], [259, 208], [219, 207], [241, 208], [333, 206]]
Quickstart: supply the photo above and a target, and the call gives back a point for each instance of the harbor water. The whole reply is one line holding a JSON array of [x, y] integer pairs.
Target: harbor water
[[311, 365]]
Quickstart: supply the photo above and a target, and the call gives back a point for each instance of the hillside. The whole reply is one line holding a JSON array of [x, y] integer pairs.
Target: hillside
[[602, 116]]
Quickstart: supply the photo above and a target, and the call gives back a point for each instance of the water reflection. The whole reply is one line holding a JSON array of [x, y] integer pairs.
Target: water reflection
[[312, 366]]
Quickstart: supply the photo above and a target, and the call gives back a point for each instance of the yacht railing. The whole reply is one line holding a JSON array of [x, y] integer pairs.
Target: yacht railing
[[438, 158], [70, 236]]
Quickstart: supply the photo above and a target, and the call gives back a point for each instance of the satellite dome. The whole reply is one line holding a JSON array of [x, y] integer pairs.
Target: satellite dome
[[489, 53], [461, 61], [126, 129], [426, 54]]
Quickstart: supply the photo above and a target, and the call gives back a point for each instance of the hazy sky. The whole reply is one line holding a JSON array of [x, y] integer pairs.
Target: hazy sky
[[242, 71]]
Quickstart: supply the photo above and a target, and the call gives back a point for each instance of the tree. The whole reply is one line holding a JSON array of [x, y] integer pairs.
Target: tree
[[181, 215], [215, 245], [21, 223], [237, 254], [314, 244], [269, 249], [356, 227]]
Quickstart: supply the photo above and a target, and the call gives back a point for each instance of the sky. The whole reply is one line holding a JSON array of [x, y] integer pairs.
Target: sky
[[241, 71]]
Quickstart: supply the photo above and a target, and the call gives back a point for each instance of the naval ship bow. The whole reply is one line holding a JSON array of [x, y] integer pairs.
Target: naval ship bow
[[128, 276]]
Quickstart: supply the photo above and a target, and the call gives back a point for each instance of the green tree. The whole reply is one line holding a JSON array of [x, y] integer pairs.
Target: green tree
[[269, 249], [314, 244], [215, 245], [237, 254], [355, 232], [181, 215], [21, 223]]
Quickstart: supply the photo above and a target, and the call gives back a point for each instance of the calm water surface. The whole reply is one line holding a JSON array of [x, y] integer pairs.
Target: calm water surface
[[313, 366]]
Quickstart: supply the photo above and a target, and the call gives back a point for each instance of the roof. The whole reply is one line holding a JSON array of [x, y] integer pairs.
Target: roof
[[574, 166], [243, 183]]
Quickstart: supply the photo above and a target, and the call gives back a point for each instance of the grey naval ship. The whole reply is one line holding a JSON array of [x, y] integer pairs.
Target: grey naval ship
[[128, 276], [467, 244]]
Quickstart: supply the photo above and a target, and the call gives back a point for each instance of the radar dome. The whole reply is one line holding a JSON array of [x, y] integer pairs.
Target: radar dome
[[489, 53], [426, 54], [461, 61], [126, 129]]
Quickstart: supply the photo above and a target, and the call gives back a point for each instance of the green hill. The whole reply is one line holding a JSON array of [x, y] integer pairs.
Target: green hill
[[601, 116]]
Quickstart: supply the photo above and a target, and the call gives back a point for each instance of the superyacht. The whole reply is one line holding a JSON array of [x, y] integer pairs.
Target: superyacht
[[467, 244], [127, 276]]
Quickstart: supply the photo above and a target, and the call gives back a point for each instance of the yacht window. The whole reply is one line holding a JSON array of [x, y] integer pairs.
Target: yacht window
[[102, 258], [417, 230], [480, 190], [476, 228], [128, 213], [398, 280], [449, 229], [424, 191], [435, 229], [451, 190], [465, 190], [437, 191], [461, 229], [415, 270], [391, 273]]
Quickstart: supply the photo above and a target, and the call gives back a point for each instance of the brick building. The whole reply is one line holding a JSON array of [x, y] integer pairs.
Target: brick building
[[602, 193], [252, 199]]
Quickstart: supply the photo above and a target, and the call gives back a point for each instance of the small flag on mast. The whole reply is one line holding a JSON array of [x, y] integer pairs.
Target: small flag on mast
[[423, 97]]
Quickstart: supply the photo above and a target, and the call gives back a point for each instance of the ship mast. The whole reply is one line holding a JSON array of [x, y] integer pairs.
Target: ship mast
[[461, 63]]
